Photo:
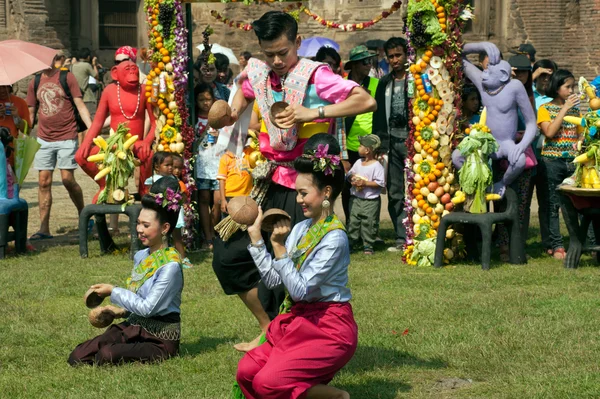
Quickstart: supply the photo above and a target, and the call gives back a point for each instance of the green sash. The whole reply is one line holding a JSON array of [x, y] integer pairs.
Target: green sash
[[146, 268], [311, 239]]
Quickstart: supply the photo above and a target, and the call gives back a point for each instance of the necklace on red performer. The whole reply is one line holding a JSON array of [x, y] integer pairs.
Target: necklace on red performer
[[121, 105]]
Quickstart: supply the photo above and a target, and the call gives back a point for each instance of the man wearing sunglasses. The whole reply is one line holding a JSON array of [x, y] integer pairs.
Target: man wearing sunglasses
[[359, 64]]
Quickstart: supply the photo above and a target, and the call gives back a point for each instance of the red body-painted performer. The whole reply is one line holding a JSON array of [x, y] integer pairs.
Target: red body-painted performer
[[125, 102]]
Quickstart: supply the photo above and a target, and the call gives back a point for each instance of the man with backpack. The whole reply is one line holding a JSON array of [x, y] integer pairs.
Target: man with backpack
[[55, 101]]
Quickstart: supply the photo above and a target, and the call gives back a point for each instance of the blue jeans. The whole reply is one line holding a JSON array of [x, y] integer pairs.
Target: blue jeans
[[558, 169]]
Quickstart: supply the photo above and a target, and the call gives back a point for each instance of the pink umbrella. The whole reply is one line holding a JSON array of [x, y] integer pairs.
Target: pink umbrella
[[19, 59]]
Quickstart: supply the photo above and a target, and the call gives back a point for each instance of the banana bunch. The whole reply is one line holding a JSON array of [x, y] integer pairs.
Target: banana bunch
[[586, 174], [116, 163], [459, 197]]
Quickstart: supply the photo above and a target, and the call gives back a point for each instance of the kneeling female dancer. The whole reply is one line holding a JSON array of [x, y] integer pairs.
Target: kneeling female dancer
[[151, 302], [315, 334]]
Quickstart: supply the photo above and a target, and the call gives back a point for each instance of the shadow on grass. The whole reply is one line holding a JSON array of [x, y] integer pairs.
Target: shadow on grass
[[204, 344], [375, 388], [370, 358]]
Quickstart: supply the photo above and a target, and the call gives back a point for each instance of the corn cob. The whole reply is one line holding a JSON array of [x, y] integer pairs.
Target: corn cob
[[102, 173], [100, 142], [588, 156], [122, 155], [576, 120], [96, 158], [130, 142]]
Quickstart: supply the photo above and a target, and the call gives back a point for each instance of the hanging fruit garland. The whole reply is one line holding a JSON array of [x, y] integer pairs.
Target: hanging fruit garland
[[434, 31], [296, 9], [166, 88]]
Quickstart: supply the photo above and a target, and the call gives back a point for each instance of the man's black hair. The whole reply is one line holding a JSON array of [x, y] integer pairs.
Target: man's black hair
[[274, 24], [221, 62], [394, 42], [84, 53], [325, 52], [247, 55]]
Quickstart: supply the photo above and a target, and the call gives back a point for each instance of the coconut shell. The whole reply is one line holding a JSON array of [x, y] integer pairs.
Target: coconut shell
[[92, 299], [219, 114], [243, 210], [277, 108], [271, 217], [101, 317]]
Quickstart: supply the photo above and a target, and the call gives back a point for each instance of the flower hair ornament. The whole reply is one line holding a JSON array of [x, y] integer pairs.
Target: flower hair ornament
[[323, 162], [170, 199]]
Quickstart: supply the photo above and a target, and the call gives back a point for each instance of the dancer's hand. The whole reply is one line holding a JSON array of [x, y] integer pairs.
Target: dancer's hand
[[254, 231], [280, 232], [294, 114], [102, 290]]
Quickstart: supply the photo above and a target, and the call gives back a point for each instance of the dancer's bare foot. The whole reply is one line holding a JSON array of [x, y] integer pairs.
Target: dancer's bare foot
[[248, 346], [326, 392]]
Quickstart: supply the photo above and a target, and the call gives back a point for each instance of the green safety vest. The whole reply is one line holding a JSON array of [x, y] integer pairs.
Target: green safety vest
[[363, 123]]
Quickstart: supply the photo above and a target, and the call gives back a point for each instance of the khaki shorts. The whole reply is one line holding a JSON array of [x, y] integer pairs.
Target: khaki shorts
[[56, 153]]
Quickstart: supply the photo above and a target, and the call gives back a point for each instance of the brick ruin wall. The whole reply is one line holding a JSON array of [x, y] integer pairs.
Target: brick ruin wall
[[566, 31]]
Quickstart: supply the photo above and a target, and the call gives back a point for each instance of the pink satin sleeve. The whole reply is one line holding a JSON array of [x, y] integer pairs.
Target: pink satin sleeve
[[330, 86]]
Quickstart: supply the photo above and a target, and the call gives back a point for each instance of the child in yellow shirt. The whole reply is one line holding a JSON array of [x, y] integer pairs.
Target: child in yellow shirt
[[234, 178]]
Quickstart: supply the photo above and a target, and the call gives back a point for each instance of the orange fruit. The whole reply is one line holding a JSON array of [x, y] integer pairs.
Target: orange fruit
[[419, 197], [154, 23], [162, 106], [423, 65], [170, 122], [436, 224], [164, 51], [161, 65], [417, 68], [148, 94], [432, 177], [159, 39], [429, 53], [442, 21], [431, 101], [443, 26], [434, 217], [434, 113], [436, 172], [160, 101], [438, 108], [166, 59], [156, 33], [426, 181], [170, 115], [148, 87], [152, 74], [425, 96], [430, 151], [157, 71], [159, 45], [166, 111], [426, 59], [422, 92]]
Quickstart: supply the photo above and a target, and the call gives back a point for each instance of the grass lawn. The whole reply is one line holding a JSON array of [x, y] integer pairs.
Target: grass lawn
[[513, 332]]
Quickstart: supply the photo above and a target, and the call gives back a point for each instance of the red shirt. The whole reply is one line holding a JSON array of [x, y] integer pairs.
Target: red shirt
[[56, 117]]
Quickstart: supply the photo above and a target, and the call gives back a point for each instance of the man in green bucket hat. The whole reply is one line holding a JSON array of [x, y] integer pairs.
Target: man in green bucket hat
[[359, 64]]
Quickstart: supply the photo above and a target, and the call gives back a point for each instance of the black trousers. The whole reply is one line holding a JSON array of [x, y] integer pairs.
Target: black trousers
[[395, 187]]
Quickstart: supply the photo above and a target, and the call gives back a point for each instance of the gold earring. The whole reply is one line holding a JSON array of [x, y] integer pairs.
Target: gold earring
[[326, 204]]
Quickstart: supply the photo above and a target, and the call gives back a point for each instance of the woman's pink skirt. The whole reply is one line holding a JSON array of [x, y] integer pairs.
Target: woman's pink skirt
[[304, 348]]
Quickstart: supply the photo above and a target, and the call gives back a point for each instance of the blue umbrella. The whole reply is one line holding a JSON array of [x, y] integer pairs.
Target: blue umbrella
[[311, 45]]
